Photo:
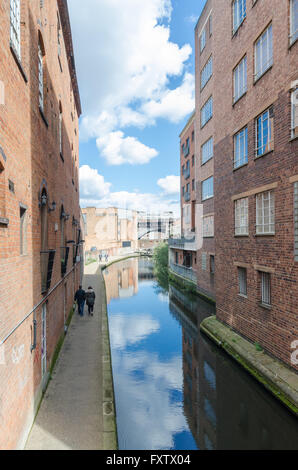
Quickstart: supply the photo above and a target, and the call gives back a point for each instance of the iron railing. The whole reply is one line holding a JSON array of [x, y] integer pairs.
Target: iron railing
[[46, 267], [183, 271]]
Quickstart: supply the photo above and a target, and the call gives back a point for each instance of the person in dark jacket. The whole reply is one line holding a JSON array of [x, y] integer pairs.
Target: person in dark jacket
[[90, 300], [80, 297]]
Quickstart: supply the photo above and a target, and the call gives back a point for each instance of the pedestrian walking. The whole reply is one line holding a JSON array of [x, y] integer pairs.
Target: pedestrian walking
[[80, 297], [90, 300], [100, 257]]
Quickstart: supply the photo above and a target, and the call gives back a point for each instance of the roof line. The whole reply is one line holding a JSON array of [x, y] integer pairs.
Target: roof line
[[65, 22]]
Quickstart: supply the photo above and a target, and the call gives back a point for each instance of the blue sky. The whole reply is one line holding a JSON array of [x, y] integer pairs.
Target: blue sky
[[136, 78]]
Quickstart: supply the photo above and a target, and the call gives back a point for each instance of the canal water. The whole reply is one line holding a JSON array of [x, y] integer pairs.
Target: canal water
[[174, 389]]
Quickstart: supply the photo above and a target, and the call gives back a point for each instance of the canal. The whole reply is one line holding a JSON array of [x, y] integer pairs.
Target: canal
[[174, 389]]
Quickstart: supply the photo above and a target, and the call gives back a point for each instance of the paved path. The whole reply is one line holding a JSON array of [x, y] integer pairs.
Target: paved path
[[71, 413]]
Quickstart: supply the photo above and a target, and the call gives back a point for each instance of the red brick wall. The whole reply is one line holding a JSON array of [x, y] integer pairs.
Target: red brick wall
[[277, 328], [32, 161], [206, 170]]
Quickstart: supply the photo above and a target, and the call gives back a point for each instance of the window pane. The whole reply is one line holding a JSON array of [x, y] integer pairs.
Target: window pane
[[263, 53]]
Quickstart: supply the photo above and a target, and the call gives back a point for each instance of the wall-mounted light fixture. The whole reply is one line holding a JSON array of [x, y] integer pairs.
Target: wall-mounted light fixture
[[43, 200], [53, 206]]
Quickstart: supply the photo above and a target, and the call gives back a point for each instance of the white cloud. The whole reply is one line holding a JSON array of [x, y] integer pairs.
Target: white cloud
[[92, 184], [147, 202], [170, 184], [130, 330], [117, 149], [125, 59], [96, 192], [175, 104], [191, 19]]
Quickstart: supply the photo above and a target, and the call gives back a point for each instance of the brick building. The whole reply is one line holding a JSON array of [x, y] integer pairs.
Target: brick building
[[182, 253], [205, 129], [110, 230], [253, 118], [39, 202]]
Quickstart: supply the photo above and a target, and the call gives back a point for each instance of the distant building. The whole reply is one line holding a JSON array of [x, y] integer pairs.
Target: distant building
[[111, 230], [40, 231], [155, 228], [183, 251]]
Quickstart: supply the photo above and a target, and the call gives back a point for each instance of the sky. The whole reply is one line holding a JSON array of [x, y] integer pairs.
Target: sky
[[135, 66]]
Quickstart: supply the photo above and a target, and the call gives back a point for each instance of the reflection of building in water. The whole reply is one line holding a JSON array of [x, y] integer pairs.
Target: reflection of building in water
[[110, 230], [199, 377], [146, 268], [225, 408], [122, 279]]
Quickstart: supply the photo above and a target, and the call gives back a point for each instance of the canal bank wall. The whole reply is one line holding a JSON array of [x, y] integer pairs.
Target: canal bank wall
[[110, 436], [277, 378], [189, 286]]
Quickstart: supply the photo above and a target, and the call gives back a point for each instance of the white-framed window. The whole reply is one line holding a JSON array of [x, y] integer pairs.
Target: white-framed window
[[212, 264], [239, 13], [206, 73], [40, 77], [60, 131], [241, 216], [242, 281], [265, 213], [207, 150], [207, 111], [240, 148], [208, 226], [294, 113], [15, 26], [59, 34], [266, 288], [204, 261], [296, 222], [240, 79], [203, 40], [207, 188], [210, 25], [264, 132], [263, 53], [293, 21]]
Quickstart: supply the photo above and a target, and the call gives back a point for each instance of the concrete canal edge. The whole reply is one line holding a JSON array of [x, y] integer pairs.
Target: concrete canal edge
[[110, 436], [271, 373]]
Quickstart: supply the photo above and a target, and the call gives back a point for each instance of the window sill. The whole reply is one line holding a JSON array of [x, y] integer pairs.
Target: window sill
[[291, 44], [202, 88], [18, 62], [240, 166], [61, 156], [205, 124], [243, 296], [264, 73], [238, 99], [292, 139], [265, 306], [204, 163], [207, 198], [4, 221], [43, 117], [246, 235], [272, 234], [263, 154], [234, 33]]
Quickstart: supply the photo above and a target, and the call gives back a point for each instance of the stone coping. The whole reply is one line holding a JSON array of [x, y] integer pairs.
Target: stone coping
[[275, 376]]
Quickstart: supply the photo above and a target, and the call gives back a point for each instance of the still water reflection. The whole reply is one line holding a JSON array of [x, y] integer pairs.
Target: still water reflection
[[173, 388]]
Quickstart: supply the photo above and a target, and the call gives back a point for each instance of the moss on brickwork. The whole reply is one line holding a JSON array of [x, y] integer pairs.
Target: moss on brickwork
[[228, 340]]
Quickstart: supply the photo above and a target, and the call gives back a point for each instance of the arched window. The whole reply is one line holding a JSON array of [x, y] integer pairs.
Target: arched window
[[44, 220], [15, 27], [41, 56], [60, 129]]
